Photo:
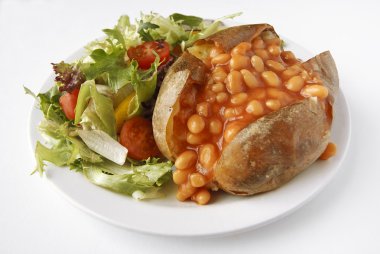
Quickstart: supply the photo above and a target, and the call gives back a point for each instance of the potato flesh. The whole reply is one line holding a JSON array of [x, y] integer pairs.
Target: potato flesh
[[237, 92]]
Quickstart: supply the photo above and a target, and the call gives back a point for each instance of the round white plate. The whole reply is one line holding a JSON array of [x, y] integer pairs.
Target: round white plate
[[225, 215]]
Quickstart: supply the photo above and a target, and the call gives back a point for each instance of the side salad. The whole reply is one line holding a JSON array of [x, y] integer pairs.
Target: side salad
[[97, 114]]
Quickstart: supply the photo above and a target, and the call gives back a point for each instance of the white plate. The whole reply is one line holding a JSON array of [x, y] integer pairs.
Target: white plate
[[225, 215]]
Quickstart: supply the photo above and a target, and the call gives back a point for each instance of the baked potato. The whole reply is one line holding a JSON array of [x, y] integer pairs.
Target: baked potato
[[239, 113]]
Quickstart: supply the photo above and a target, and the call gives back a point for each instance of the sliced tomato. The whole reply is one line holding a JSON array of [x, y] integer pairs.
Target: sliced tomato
[[144, 56], [137, 136], [68, 101]]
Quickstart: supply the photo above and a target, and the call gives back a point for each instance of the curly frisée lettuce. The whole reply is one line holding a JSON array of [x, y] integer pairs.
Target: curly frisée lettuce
[[105, 88], [177, 29], [109, 68], [65, 148], [141, 182], [49, 104]]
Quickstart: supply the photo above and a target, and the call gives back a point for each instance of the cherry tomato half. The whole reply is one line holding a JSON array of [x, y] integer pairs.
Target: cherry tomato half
[[68, 101], [137, 136], [144, 56]]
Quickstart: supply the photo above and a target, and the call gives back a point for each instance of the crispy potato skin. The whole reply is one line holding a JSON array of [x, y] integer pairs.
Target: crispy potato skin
[[230, 37], [187, 69], [324, 65], [270, 151], [275, 148]]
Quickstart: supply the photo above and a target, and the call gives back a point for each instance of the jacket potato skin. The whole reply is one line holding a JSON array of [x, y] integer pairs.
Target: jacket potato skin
[[230, 37], [186, 69], [268, 152], [324, 65], [274, 149]]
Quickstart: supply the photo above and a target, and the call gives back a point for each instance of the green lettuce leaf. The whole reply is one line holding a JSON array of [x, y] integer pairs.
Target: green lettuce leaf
[[77, 165], [208, 29], [65, 148], [140, 182], [30, 92], [48, 102], [116, 71], [191, 21], [58, 155], [110, 66], [95, 111], [165, 28], [175, 29], [55, 134], [143, 30], [180, 29], [123, 36], [115, 34], [144, 83]]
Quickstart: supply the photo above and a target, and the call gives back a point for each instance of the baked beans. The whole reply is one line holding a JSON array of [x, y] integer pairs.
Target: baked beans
[[274, 50], [275, 66], [258, 43], [288, 57], [241, 48], [315, 90], [329, 152], [249, 78], [197, 180], [208, 154], [196, 124], [216, 126], [185, 190], [262, 53], [290, 72], [239, 98], [202, 197], [239, 62], [219, 75], [295, 83], [186, 159], [203, 109], [235, 82], [218, 87], [221, 59], [231, 131], [271, 78], [233, 112], [253, 79], [273, 104], [221, 97], [257, 63], [181, 176], [194, 139], [255, 107]]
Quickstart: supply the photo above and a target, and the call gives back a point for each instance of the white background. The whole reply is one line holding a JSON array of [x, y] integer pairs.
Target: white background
[[344, 218]]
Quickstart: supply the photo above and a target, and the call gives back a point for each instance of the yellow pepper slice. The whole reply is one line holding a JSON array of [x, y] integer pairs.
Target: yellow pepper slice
[[121, 112]]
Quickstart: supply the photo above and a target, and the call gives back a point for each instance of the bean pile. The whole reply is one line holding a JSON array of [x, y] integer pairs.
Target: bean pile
[[254, 79]]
